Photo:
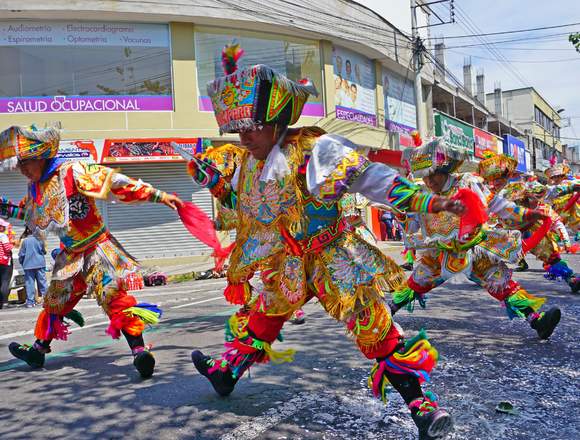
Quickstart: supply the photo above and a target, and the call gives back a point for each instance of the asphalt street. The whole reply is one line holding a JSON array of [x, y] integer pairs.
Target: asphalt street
[[90, 390]]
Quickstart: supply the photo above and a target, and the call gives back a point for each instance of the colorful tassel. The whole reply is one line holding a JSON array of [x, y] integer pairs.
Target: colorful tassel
[[407, 296], [50, 326], [76, 317], [42, 328], [238, 293], [559, 271], [231, 53], [520, 302], [418, 357]]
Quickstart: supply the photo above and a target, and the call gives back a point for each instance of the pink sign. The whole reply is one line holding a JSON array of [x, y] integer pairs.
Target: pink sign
[[67, 104]]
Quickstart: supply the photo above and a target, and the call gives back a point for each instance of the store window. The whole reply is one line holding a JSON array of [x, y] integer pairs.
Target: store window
[[82, 66], [295, 58]]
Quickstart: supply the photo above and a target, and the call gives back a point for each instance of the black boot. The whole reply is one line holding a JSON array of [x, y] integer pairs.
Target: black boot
[[27, 353], [407, 267], [522, 266], [222, 381], [574, 284], [546, 323], [433, 425], [144, 362]]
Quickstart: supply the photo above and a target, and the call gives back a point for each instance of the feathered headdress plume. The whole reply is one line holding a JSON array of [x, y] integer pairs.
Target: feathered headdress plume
[[231, 53]]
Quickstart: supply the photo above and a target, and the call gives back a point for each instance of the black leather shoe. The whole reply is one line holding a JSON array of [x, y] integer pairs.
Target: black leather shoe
[[222, 381], [547, 322]]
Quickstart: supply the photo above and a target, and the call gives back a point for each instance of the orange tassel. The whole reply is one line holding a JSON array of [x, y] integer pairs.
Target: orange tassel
[[42, 329]]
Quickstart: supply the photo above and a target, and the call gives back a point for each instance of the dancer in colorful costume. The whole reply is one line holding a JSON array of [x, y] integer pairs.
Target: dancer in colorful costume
[[481, 254], [563, 195], [61, 199], [287, 193], [496, 170], [548, 249]]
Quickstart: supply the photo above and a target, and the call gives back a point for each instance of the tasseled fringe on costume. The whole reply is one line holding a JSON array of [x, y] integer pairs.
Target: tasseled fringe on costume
[[244, 350], [76, 317], [133, 320], [238, 293], [341, 306], [50, 326], [559, 271], [407, 296], [417, 358], [521, 302]]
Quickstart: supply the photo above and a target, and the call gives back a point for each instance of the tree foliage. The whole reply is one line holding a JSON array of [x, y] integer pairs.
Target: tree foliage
[[575, 40]]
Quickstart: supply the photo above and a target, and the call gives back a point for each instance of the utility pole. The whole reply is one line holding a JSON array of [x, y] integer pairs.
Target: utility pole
[[417, 65], [419, 48]]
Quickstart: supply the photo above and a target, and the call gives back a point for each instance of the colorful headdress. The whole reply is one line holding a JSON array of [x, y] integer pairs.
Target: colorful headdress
[[434, 156], [496, 165], [23, 143], [258, 95], [559, 169], [534, 189]]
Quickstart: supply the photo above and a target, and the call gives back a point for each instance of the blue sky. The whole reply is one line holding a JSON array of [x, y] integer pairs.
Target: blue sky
[[537, 61]]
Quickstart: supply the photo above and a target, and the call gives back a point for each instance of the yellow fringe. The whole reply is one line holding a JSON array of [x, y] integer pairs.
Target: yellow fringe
[[279, 357]]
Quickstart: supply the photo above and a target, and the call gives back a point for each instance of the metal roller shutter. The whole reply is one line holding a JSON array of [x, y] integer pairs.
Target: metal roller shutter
[[150, 230]]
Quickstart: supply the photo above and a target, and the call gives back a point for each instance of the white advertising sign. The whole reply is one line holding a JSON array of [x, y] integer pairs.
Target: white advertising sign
[[62, 33]]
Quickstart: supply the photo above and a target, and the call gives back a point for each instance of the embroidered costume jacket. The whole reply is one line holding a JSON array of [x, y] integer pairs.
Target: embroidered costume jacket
[[438, 234], [290, 226]]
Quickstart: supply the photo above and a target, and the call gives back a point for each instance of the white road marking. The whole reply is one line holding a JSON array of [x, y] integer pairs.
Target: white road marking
[[197, 302], [273, 416]]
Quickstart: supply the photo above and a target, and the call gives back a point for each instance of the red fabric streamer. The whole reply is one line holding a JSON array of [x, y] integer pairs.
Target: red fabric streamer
[[475, 213], [574, 248], [532, 241], [572, 202], [201, 227]]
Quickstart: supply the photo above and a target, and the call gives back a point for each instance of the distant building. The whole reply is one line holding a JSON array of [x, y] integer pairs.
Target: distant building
[[540, 120]]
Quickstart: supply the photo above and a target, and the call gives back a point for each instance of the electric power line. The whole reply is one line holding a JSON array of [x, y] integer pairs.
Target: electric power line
[[510, 32], [519, 61]]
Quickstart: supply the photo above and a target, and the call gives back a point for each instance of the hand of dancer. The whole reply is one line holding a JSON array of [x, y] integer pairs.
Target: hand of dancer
[[203, 172], [445, 204], [535, 215], [172, 201]]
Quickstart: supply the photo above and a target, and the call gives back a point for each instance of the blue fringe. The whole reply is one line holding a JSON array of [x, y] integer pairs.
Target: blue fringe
[[151, 307]]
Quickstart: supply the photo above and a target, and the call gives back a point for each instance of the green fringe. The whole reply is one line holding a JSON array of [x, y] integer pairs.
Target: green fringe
[[407, 297], [519, 303], [147, 316], [76, 317], [418, 337]]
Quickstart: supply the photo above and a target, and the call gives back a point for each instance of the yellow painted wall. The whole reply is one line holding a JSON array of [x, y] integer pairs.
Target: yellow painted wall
[[538, 130]]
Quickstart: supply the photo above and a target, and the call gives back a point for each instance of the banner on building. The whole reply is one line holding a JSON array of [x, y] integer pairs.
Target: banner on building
[[516, 148], [75, 33], [355, 87], [148, 150], [486, 141], [400, 108], [84, 150], [457, 134]]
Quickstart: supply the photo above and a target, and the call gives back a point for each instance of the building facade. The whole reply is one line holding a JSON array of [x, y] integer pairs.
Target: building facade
[[125, 79], [541, 121]]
